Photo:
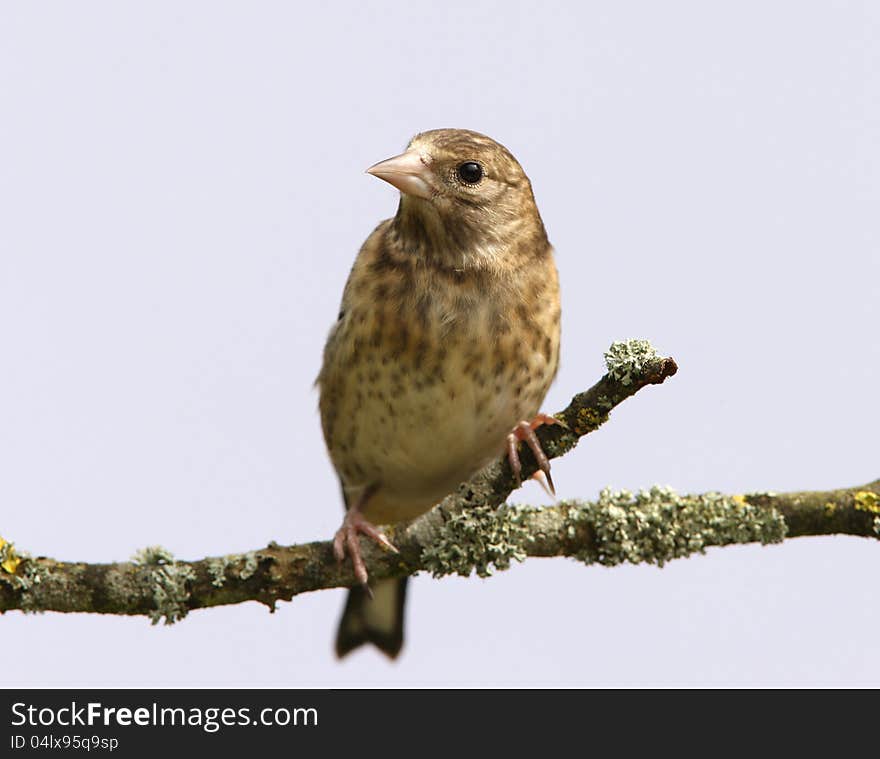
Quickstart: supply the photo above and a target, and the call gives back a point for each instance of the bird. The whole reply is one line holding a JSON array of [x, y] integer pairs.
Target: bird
[[445, 345]]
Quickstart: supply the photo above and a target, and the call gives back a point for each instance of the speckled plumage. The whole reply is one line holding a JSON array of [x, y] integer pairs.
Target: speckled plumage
[[448, 333]]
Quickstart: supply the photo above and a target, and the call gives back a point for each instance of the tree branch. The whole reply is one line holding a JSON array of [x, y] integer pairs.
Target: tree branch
[[466, 532]]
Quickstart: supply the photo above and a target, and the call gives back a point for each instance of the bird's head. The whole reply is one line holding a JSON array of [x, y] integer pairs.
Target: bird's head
[[462, 192]]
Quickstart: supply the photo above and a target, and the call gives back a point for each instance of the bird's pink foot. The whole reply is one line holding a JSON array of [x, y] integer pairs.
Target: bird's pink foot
[[346, 542], [525, 431]]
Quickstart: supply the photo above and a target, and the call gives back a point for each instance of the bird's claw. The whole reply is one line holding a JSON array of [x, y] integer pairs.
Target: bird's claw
[[346, 542], [525, 431], [541, 479]]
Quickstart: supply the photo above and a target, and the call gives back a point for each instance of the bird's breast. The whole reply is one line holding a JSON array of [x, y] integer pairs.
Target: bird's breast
[[431, 386]]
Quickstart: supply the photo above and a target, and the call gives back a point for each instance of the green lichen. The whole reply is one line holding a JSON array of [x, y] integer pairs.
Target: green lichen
[[30, 577], [478, 540], [169, 579], [604, 402], [217, 570], [217, 567], [626, 359], [657, 525], [153, 555], [250, 565], [22, 573]]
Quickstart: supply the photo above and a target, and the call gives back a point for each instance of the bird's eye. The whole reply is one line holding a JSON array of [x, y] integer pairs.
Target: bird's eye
[[470, 172]]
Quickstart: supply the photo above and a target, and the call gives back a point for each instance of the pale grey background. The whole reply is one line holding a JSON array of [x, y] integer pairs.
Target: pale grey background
[[182, 194]]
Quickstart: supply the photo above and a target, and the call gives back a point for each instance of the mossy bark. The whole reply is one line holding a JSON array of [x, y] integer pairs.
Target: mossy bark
[[466, 531]]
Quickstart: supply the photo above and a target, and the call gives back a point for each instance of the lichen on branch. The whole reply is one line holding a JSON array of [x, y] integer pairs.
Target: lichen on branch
[[168, 579], [627, 359], [466, 533], [657, 525], [478, 540]]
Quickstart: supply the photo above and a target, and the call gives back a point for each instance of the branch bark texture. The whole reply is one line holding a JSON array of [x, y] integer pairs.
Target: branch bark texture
[[469, 531]]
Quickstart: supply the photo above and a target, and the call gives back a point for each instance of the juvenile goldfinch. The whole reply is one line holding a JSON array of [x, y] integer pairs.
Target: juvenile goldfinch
[[446, 344]]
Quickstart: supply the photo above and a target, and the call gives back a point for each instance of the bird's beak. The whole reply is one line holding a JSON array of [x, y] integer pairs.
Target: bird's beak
[[407, 172]]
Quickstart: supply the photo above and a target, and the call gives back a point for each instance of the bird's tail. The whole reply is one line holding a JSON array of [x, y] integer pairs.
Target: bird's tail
[[378, 620]]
